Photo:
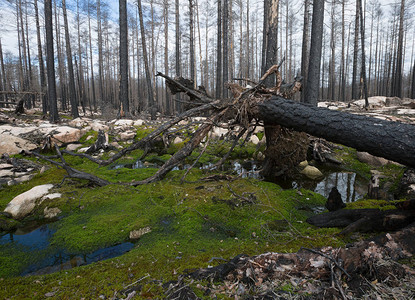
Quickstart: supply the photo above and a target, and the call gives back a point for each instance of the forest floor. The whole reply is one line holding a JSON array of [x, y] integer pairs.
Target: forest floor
[[182, 226]]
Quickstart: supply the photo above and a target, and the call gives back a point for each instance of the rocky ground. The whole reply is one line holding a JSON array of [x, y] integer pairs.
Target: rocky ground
[[216, 219]]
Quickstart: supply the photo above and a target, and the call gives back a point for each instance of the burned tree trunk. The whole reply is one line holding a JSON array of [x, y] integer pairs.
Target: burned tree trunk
[[391, 140]]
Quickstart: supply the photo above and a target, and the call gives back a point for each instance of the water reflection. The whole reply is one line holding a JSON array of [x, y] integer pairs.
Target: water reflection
[[44, 258], [346, 184]]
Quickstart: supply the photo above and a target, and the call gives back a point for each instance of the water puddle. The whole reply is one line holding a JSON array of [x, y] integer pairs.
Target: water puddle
[[44, 258]]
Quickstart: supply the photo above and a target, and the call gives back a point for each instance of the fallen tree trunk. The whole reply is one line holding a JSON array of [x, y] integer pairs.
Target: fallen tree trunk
[[391, 140], [364, 219]]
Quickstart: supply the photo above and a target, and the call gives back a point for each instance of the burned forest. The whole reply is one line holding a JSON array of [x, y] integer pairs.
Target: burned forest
[[207, 149]]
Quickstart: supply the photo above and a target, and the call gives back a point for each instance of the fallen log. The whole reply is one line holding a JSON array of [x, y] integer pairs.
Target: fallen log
[[391, 140], [364, 219]]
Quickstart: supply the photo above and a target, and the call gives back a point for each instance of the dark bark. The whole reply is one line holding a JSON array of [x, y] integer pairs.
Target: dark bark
[[177, 50], [123, 92], [355, 54], [271, 39], [364, 220], [397, 78], [313, 77], [413, 83], [304, 49], [50, 59], [225, 44], [41, 64], [192, 43], [362, 36], [151, 104], [72, 92], [219, 82], [391, 140]]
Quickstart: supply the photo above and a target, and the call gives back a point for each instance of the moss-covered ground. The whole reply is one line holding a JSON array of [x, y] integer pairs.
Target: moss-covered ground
[[192, 225]]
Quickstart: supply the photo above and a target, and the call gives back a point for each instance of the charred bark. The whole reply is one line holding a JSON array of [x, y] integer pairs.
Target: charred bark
[[391, 140]]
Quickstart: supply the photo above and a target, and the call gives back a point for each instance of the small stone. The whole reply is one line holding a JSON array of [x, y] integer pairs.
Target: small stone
[[136, 234], [126, 136], [177, 140], [312, 172], [254, 139], [73, 147], [303, 164], [51, 213]]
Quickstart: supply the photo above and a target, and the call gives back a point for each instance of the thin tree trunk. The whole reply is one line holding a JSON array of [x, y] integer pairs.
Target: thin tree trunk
[[313, 77], [43, 86], [100, 56], [81, 84], [192, 44], [166, 53], [177, 36], [397, 78], [72, 92], [151, 103], [362, 36], [53, 112], [219, 81], [355, 54], [123, 91], [94, 98], [305, 46], [225, 44]]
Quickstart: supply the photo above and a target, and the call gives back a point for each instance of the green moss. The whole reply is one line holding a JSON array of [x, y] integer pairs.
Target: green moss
[[371, 203], [350, 162]]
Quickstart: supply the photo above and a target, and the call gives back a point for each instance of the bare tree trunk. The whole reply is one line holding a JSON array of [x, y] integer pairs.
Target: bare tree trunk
[[192, 44], [178, 69], [43, 86], [151, 103], [248, 56], [271, 39], [123, 91], [100, 55], [362, 36], [3, 71], [94, 97], [53, 112], [313, 77], [225, 45], [166, 53], [219, 81], [305, 46], [72, 92], [355, 54], [397, 79], [413, 83], [81, 84]]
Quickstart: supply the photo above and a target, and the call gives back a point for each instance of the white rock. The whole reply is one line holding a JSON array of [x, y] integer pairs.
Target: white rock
[[51, 196], [254, 139], [136, 234], [138, 122], [78, 123], [6, 173], [124, 123], [116, 145], [177, 140], [73, 147], [96, 126], [218, 132], [20, 179], [6, 166], [126, 136], [90, 137], [50, 213], [66, 135], [303, 164], [83, 150], [23, 204], [14, 145]]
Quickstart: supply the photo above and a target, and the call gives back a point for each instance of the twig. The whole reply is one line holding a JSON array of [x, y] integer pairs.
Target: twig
[[144, 277], [195, 162]]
